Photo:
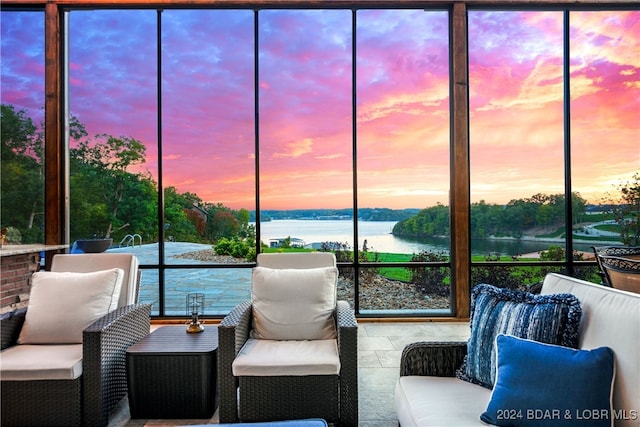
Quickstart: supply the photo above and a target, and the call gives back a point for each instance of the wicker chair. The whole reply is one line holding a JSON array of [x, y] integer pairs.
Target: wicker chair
[[88, 399], [619, 266], [281, 397]]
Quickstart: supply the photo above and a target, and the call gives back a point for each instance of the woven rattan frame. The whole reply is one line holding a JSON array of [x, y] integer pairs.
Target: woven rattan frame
[[279, 398], [439, 359], [296, 398], [88, 400]]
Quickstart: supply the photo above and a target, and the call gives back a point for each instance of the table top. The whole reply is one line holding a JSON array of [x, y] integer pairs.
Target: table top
[[175, 339]]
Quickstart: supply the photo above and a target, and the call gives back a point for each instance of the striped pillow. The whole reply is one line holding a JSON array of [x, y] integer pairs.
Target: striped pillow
[[551, 319]]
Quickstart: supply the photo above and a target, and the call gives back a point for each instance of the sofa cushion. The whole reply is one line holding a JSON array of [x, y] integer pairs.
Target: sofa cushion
[[62, 305], [41, 362], [260, 357], [294, 304], [542, 384], [610, 318], [552, 319], [439, 401]]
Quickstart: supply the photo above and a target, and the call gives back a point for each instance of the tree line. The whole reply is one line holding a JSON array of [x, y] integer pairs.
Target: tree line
[[514, 219], [111, 198], [108, 198]]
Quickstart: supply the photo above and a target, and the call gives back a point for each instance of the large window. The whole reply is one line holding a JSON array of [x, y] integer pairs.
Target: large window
[[22, 156], [539, 110], [516, 140], [200, 137], [605, 121], [248, 130], [403, 146]]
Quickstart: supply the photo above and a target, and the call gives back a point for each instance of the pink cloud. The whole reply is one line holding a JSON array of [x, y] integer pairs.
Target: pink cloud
[[515, 91]]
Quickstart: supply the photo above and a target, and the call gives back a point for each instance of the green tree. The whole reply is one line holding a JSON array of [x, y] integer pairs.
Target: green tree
[[22, 174], [627, 210], [180, 226], [105, 162]]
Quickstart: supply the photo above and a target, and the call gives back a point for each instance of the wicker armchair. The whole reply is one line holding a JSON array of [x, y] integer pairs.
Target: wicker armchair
[[270, 398], [86, 400]]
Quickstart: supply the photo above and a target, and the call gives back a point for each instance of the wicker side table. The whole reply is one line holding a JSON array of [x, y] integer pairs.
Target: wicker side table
[[172, 374]]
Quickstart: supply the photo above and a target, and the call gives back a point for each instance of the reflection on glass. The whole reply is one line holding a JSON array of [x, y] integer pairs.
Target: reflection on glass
[[305, 114], [516, 126], [396, 290], [605, 118], [224, 288], [22, 156], [113, 125], [528, 279], [346, 285], [149, 292], [208, 126], [402, 118]]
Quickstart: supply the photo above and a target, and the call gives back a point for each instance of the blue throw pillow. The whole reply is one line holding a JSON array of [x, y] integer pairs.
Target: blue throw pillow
[[549, 385], [552, 319]]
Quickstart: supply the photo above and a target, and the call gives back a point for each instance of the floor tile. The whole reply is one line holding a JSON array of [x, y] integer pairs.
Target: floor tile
[[379, 350]]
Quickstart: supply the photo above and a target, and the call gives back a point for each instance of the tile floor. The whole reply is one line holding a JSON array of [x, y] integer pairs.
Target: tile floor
[[379, 349]]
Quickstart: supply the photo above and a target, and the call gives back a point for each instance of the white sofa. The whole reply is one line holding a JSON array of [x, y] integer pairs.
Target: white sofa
[[429, 394]]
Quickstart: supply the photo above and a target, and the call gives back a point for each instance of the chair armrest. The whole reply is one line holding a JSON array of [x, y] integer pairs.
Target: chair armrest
[[105, 343], [10, 326], [439, 359], [348, 349], [347, 328], [233, 332]]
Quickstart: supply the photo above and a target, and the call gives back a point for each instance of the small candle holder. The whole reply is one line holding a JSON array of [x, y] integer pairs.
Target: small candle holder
[[195, 309]]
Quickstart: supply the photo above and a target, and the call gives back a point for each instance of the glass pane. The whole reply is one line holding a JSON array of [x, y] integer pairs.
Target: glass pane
[[22, 156], [527, 279], [396, 290], [605, 126], [403, 119], [516, 132], [346, 287], [224, 288], [305, 126], [113, 133], [403, 151], [208, 131]]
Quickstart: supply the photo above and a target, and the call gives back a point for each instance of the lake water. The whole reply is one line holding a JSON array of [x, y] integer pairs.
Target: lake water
[[379, 238]]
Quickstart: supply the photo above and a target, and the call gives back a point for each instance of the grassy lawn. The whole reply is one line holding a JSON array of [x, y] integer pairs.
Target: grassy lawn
[[404, 274]]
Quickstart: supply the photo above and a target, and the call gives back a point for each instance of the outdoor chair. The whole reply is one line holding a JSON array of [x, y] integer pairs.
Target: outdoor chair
[[619, 266], [290, 352], [63, 357]]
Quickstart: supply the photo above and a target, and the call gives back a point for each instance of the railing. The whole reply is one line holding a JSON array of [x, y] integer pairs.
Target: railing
[[130, 240]]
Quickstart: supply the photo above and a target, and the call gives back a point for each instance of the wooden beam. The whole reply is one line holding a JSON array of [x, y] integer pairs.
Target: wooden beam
[[53, 162], [324, 4], [459, 175]]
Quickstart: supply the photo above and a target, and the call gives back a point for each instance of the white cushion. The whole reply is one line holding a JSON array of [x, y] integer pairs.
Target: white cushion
[[439, 401], [611, 318], [62, 305], [86, 263], [41, 362], [294, 304], [291, 358], [296, 260]]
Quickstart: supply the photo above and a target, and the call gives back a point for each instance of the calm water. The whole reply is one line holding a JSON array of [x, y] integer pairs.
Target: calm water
[[379, 238]]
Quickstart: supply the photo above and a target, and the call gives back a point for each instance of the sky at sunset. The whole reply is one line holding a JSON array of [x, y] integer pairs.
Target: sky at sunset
[[208, 134]]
